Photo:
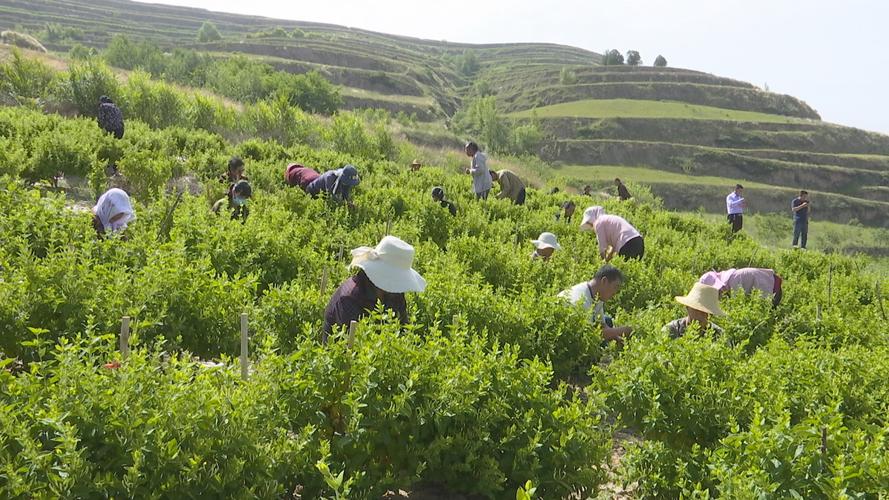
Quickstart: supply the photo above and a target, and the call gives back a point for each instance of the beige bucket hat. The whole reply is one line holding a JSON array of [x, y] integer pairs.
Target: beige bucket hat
[[546, 240], [702, 298], [589, 217]]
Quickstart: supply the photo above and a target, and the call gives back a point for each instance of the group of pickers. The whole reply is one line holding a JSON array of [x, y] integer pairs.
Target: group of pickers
[[385, 272]]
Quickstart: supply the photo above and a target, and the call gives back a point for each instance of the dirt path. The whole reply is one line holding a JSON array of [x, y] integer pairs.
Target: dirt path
[[614, 487]]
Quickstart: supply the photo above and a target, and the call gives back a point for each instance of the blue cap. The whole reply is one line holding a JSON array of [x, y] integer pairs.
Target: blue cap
[[349, 176]]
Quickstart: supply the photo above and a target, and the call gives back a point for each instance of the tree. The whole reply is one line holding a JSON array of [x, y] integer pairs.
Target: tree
[[633, 58], [612, 58], [567, 76], [468, 64], [208, 33], [660, 62]]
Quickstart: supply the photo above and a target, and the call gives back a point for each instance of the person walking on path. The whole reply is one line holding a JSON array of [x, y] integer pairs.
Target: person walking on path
[[478, 169], [735, 205], [568, 208], [510, 186], [110, 117], [384, 276], [545, 246], [766, 281], [800, 209], [593, 295], [112, 212], [622, 192], [700, 303], [438, 196], [614, 234]]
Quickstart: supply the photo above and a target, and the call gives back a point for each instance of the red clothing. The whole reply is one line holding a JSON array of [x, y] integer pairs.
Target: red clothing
[[298, 175]]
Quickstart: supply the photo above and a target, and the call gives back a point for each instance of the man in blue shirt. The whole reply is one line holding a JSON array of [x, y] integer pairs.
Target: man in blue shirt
[[800, 208], [735, 205]]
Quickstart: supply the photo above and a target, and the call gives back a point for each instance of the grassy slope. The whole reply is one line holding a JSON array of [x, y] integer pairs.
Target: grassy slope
[[631, 108]]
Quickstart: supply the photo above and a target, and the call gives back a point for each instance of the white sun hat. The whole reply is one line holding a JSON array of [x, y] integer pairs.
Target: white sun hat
[[546, 240], [389, 266], [589, 217], [702, 298]]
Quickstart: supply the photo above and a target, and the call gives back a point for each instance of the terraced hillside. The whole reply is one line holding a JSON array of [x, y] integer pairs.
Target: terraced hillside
[[664, 120]]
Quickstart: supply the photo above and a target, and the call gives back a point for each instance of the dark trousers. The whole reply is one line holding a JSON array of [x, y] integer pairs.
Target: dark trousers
[[633, 249], [737, 222], [800, 231], [520, 199], [483, 195]]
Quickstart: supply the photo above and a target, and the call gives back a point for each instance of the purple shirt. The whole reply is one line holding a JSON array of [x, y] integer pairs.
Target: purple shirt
[[354, 299]]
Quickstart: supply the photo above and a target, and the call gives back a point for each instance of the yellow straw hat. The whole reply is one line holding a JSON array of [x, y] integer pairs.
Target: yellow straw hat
[[702, 298]]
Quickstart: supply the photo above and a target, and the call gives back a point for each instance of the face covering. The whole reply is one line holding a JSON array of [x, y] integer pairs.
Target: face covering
[[238, 201]]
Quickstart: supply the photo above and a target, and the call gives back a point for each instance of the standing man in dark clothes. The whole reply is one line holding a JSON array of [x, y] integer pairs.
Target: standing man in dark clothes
[[110, 117], [800, 208], [438, 197], [385, 276], [735, 205], [622, 190]]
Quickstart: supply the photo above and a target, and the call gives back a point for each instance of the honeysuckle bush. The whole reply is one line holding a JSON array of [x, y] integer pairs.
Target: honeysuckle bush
[[468, 395]]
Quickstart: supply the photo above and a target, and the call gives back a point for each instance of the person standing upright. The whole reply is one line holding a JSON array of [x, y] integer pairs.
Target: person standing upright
[[622, 190], [110, 117], [800, 208], [735, 205], [478, 168]]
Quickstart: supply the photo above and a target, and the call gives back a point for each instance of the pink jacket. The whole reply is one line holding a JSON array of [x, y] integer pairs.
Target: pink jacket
[[746, 278], [613, 231]]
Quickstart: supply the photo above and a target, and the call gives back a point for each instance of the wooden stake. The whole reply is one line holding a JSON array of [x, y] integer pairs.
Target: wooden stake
[[353, 325], [880, 301], [830, 285], [824, 441], [324, 280], [818, 312], [339, 256], [245, 363], [388, 226], [125, 337]]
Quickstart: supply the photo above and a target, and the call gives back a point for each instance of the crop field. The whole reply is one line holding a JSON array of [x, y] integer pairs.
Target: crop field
[[491, 387], [627, 108]]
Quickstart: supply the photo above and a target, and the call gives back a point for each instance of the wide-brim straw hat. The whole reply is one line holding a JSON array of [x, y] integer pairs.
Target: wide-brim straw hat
[[702, 298], [589, 217], [546, 240], [388, 266]]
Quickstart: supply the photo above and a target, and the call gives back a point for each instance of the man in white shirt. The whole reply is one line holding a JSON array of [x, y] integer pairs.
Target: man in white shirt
[[735, 205], [594, 293], [478, 168]]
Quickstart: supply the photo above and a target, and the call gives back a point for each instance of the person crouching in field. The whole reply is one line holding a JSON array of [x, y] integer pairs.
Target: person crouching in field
[[593, 294], [622, 192], [384, 276], [112, 212], [747, 278], [700, 303], [568, 208], [511, 186], [545, 246], [239, 194], [438, 196], [614, 234], [110, 117], [336, 183]]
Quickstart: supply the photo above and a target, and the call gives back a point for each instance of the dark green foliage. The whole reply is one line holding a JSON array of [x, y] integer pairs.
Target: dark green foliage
[[612, 57], [660, 62], [633, 58]]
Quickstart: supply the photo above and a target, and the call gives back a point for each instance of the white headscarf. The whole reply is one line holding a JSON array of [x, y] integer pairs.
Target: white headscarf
[[115, 201], [589, 217]]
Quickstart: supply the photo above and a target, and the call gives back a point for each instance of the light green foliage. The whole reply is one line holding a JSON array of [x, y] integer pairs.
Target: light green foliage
[[24, 77], [473, 393], [86, 82], [208, 33]]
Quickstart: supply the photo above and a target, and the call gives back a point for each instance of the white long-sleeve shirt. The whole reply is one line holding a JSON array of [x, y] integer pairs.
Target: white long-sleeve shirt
[[481, 177], [734, 203]]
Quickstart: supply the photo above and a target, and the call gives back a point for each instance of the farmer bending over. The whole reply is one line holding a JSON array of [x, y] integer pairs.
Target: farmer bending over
[[594, 293], [613, 233], [700, 303]]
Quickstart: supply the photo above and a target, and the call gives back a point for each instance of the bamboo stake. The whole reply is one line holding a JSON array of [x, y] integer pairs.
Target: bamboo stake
[[324, 276], [353, 326], [388, 226], [125, 337], [830, 285], [244, 361], [880, 301]]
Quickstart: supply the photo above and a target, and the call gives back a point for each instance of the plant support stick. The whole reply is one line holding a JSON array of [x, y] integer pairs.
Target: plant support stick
[[244, 361]]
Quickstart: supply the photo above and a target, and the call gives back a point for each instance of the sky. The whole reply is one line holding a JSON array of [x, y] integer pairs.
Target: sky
[[833, 55]]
